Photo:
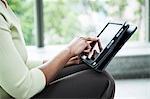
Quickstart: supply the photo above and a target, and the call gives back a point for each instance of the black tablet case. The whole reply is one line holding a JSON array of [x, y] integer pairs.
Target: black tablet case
[[103, 60]]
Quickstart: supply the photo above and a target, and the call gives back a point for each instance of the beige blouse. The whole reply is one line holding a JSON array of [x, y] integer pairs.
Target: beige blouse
[[19, 77]]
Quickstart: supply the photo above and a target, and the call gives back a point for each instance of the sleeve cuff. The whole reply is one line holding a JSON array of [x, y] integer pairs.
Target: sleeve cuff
[[39, 81], [40, 77]]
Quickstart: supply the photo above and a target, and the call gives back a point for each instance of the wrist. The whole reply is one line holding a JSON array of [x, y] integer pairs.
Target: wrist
[[68, 50]]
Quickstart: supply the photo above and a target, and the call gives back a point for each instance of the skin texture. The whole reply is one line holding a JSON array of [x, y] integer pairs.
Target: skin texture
[[76, 47]]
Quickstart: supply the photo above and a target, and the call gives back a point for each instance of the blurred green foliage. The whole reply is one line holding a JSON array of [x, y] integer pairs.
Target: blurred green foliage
[[60, 21], [24, 10], [61, 17]]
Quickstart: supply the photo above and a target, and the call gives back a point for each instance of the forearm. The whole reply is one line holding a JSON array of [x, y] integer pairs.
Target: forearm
[[77, 46], [51, 68]]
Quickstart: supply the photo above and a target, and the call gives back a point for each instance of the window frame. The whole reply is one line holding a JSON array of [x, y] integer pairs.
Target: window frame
[[147, 23], [39, 23]]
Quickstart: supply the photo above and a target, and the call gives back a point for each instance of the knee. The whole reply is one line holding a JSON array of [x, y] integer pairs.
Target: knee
[[110, 90], [102, 84], [109, 78]]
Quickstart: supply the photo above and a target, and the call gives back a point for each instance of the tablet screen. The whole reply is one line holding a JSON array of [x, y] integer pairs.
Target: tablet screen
[[105, 37]]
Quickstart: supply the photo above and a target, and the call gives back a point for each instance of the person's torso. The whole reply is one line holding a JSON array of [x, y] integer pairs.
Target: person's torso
[[17, 37]]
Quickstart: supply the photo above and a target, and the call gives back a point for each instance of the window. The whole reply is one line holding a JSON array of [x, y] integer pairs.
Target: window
[[24, 11], [64, 19]]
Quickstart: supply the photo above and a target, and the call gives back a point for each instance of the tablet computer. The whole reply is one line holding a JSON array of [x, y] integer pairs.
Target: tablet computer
[[112, 37]]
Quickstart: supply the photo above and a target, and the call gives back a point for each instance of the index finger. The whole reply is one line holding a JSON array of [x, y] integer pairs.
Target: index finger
[[100, 45], [91, 38]]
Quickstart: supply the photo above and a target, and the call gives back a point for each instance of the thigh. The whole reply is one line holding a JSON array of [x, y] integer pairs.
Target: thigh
[[83, 84], [72, 69]]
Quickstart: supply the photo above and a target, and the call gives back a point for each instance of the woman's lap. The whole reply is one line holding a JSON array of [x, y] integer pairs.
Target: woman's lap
[[79, 81], [72, 69]]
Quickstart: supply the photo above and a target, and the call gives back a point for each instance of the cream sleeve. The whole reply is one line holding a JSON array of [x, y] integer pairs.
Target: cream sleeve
[[33, 63], [15, 77]]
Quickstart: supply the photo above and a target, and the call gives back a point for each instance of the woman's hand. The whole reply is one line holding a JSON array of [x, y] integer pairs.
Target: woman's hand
[[73, 60], [76, 47], [81, 44]]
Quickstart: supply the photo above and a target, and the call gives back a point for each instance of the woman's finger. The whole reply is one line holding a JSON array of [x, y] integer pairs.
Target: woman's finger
[[88, 49], [91, 38], [74, 58], [100, 45], [75, 61]]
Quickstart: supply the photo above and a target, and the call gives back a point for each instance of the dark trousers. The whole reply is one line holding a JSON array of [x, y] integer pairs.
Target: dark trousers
[[80, 82]]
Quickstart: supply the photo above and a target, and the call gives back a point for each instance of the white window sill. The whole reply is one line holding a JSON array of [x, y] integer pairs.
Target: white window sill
[[134, 49], [129, 49], [132, 61]]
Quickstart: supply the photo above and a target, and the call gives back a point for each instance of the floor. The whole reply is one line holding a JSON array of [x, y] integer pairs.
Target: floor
[[133, 89]]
